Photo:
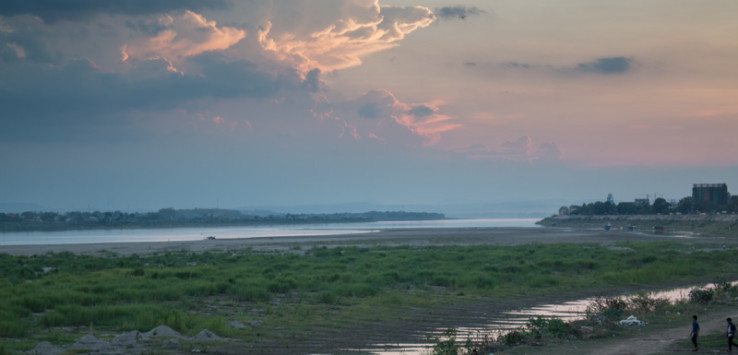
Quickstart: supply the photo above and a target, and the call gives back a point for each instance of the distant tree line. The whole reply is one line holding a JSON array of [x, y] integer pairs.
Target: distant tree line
[[640, 207], [170, 217]]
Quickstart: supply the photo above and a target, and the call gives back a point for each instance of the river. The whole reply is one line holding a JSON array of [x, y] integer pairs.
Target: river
[[231, 232]]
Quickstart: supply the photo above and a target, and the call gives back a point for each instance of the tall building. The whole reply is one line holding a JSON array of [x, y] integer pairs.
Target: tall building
[[713, 193]]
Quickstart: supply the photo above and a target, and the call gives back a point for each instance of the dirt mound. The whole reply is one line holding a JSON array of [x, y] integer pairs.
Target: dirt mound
[[127, 340], [161, 331], [206, 335], [46, 348]]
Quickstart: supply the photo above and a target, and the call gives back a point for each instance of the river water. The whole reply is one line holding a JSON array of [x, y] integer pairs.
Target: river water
[[200, 233]]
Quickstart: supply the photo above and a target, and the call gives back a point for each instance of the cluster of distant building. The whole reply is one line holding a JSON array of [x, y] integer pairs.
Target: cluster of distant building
[[706, 198], [716, 194]]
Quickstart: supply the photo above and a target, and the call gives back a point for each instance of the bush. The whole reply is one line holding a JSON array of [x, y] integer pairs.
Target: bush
[[328, 298], [513, 338], [645, 304], [547, 328], [610, 307], [701, 296]]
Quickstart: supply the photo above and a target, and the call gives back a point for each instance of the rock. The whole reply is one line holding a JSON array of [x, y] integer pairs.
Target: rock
[[161, 331], [256, 323], [632, 320], [46, 348]]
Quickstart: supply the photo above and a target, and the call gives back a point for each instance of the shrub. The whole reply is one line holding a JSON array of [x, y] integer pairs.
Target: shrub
[[701, 296], [513, 338], [328, 298], [610, 307], [645, 304], [447, 344], [541, 327]]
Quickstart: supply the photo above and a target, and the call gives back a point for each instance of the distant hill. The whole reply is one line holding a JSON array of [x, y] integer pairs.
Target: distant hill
[[18, 207]]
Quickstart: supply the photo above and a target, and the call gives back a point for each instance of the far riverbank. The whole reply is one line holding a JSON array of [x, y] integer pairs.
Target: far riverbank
[[715, 224]]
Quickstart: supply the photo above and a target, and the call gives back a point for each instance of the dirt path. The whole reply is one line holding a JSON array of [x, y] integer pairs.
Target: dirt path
[[661, 342], [672, 340]]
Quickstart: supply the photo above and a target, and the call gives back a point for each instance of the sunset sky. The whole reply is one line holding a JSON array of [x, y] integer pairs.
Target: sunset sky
[[133, 104]]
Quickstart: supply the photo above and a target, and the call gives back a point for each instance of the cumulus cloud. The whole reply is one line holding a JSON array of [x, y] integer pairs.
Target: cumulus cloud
[[52, 10], [357, 30], [421, 119], [611, 65], [102, 62], [460, 12], [379, 115], [185, 36]]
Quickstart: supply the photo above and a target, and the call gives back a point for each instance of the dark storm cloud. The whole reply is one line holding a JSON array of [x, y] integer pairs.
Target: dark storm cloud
[[421, 111], [312, 80], [611, 65], [149, 28], [80, 92], [54, 10], [461, 12]]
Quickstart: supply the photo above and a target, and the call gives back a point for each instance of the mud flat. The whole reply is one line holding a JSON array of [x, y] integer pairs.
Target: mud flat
[[389, 237]]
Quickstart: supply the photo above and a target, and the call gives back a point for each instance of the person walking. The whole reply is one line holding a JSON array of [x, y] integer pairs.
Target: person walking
[[731, 334], [695, 332]]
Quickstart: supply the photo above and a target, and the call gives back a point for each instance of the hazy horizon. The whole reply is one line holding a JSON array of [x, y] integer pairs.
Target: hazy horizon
[[130, 105]]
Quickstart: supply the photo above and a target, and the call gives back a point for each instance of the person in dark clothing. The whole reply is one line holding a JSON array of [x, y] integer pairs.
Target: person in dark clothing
[[695, 332], [731, 334]]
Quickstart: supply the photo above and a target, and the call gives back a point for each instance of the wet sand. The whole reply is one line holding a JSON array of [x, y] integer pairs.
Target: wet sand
[[392, 237]]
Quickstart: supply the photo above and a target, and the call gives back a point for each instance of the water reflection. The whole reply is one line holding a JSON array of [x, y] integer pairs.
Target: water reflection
[[514, 319]]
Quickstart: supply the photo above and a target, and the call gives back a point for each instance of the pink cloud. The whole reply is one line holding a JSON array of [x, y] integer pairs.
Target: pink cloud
[[363, 29], [184, 36], [422, 119]]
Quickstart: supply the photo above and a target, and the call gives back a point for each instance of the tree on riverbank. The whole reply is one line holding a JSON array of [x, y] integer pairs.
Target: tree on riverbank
[[170, 217], [686, 205]]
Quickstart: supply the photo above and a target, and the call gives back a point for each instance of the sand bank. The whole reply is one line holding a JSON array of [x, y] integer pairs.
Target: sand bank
[[411, 237]]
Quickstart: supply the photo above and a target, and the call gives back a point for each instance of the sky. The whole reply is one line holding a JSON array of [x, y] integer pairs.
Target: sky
[[136, 105]]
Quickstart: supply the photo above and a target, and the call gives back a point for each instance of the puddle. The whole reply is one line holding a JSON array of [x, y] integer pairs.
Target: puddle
[[514, 319]]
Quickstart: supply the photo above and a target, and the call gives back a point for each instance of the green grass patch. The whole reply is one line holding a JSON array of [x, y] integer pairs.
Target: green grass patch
[[190, 292]]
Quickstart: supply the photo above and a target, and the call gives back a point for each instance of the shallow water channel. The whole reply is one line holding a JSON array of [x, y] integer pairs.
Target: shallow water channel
[[511, 320]]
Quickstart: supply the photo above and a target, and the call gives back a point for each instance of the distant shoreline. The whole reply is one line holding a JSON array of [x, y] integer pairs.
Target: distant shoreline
[[708, 224], [171, 218]]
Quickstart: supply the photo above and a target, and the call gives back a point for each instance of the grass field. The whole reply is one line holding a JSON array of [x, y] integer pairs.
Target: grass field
[[57, 297]]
